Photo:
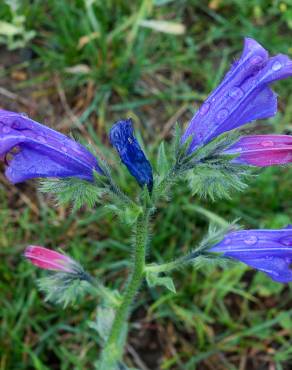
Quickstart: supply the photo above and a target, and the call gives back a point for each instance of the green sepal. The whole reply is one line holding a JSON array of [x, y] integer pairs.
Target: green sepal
[[145, 198], [153, 279], [127, 214], [76, 191], [162, 163], [218, 179], [176, 139], [64, 288], [213, 149]]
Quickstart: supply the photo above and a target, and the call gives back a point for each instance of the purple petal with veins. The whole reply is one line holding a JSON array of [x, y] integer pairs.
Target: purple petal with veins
[[244, 95], [262, 150], [42, 152], [269, 251]]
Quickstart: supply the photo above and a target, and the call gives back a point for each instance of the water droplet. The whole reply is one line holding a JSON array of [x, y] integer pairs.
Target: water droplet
[[32, 169], [267, 143], [276, 66], [75, 145], [24, 115], [251, 240], [15, 125], [64, 149], [256, 60], [286, 241], [236, 150], [222, 114], [6, 129], [204, 109], [236, 93], [269, 258], [41, 139]]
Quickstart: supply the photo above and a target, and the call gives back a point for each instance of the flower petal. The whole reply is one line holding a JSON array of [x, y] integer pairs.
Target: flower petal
[[43, 151], [243, 95], [262, 150], [269, 251], [48, 259]]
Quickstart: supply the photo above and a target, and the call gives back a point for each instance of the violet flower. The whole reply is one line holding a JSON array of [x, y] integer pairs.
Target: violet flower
[[48, 259], [262, 150], [42, 152], [269, 251], [123, 139], [244, 95]]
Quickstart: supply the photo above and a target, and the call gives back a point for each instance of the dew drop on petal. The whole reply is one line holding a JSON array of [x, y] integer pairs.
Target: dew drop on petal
[[32, 169], [204, 109], [24, 115], [256, 60], [286, 241], [251, 240], [222, 114], [236, 93], [6, 129], [41, 139], [64, 149], [267, 143], [276, 66]]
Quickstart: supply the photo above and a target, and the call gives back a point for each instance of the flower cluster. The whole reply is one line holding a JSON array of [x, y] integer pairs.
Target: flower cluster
[[31, 150], [244, 95]]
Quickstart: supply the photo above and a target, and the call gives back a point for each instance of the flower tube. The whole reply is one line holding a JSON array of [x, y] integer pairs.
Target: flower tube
[[262, 150], [48, 259], [269, 251], [244, 95], [41, 151]]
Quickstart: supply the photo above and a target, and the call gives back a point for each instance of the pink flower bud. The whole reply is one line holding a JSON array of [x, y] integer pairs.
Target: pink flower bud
[[48, 259], [262, 150]]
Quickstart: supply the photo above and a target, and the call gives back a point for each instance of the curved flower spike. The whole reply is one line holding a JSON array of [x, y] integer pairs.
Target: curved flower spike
[[42, 152], [244, 95], [123, 139], [48, 259], [269, 251], [262, 150]]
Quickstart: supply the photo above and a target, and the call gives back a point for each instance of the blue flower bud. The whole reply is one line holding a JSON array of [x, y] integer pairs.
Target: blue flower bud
[[123, 139]]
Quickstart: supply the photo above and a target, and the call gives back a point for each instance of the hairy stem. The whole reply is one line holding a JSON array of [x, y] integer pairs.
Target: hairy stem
[[175, 264], [113, 349]]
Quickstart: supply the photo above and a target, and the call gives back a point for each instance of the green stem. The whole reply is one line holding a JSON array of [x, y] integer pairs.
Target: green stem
[[113, 349], [175, 264]]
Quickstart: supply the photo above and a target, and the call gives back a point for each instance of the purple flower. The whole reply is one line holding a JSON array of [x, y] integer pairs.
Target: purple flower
[[262, 150], [243, 96], [269, 251], [123, 139], [41, 151]]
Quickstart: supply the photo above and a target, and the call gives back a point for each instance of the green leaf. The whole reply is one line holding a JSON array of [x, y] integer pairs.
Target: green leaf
[[104, 319], [162, 164], [153, 279]]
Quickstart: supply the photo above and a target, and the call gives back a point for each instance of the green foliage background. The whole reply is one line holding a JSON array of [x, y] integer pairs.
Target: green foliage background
[[80, 65]]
